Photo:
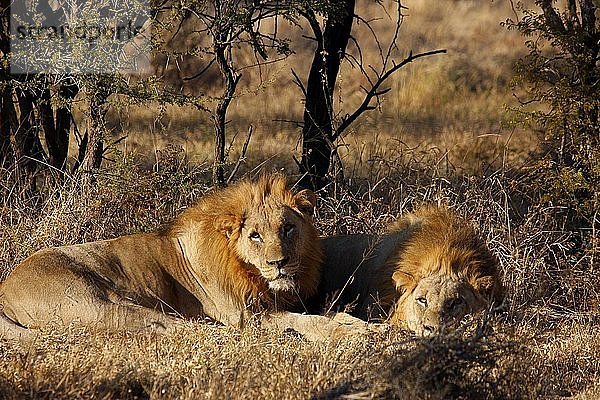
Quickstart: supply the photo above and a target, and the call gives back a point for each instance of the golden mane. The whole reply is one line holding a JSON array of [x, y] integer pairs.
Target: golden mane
[[443, 243], [216, 222]]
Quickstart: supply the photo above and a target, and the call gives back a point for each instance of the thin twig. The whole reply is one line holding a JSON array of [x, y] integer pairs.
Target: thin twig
[[242, 155], [299, 83]]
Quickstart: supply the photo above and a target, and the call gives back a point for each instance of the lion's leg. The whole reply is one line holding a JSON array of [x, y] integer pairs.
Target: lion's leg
[[108, 316], [321, 328], [10, 330], [132, 317], [68, 299]]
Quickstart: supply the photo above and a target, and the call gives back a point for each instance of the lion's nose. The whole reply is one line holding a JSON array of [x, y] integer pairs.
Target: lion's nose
[[280, 263]]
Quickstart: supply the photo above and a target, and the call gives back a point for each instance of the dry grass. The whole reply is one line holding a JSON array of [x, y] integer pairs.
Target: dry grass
[[437, 139], [542, 344], [204, 361]]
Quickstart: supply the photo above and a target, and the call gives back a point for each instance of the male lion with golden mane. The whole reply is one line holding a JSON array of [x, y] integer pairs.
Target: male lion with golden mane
[[429, 271], [245, 249]]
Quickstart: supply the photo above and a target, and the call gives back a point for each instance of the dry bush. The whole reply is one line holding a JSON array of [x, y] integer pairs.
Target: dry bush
[[126, 199]]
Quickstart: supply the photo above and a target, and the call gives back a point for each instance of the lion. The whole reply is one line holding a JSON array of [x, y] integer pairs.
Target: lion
[[426, 273], [246, 249]]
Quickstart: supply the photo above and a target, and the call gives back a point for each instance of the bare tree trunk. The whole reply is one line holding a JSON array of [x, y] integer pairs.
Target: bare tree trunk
[[92, 147], [27, 142], [5, 125], [6, 105], [47, 121], [231, 78], [8, 123], [93, 144], [67, 93], [317, 134], [18, 133]]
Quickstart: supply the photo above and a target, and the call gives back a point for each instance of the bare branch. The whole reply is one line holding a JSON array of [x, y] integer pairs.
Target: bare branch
[[374, 34], [189, 78], [261, 64], [359, 61], [382, 92], [314, 39], [242, 156], [374, 92], [310, 16], [299, 83], [394, 40], [297, 124], [377, 74]]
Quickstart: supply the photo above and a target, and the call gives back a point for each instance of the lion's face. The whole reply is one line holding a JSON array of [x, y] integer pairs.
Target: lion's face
[[436, 302], [275, 235], [271, 239], [444, 273]]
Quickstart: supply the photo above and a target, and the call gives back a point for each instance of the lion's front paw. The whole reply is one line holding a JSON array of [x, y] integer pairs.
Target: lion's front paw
[[346, 325], [321, 328]]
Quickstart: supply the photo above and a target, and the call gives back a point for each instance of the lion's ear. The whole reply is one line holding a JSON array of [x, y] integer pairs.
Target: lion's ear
[[305, 201], [403, 280], [228, 224]]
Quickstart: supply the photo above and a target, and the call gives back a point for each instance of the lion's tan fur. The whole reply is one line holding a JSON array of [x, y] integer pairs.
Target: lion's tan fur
[[196, 267], [378, 274], [447, 266], [443, 244]]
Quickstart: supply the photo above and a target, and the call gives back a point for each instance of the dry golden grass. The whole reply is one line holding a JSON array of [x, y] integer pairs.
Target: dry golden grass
[[209, 362], [542, 344]]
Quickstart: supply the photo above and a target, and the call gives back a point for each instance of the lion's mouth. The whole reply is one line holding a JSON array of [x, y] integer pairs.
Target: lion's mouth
[[282, 282]]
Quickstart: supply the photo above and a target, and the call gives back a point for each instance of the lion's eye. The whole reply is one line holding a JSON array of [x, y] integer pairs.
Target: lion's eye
[[288, 229], [422, 301], [455, 303], [255, 237]]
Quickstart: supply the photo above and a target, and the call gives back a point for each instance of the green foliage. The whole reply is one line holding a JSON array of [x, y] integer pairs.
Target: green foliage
[[559, 78]]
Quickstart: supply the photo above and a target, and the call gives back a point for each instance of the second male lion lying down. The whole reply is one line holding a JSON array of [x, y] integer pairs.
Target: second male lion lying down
[[250, 248], [429, 271]]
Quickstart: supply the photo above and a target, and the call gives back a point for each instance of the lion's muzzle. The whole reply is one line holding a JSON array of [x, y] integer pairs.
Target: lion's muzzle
[[283, 280]]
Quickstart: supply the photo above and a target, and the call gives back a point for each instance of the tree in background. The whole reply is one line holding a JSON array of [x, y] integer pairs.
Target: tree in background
[[27, 112], [230, 25], [561, 78], [36, 115], [317, 131], [323, 126], [36, 107], [240, 24]]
